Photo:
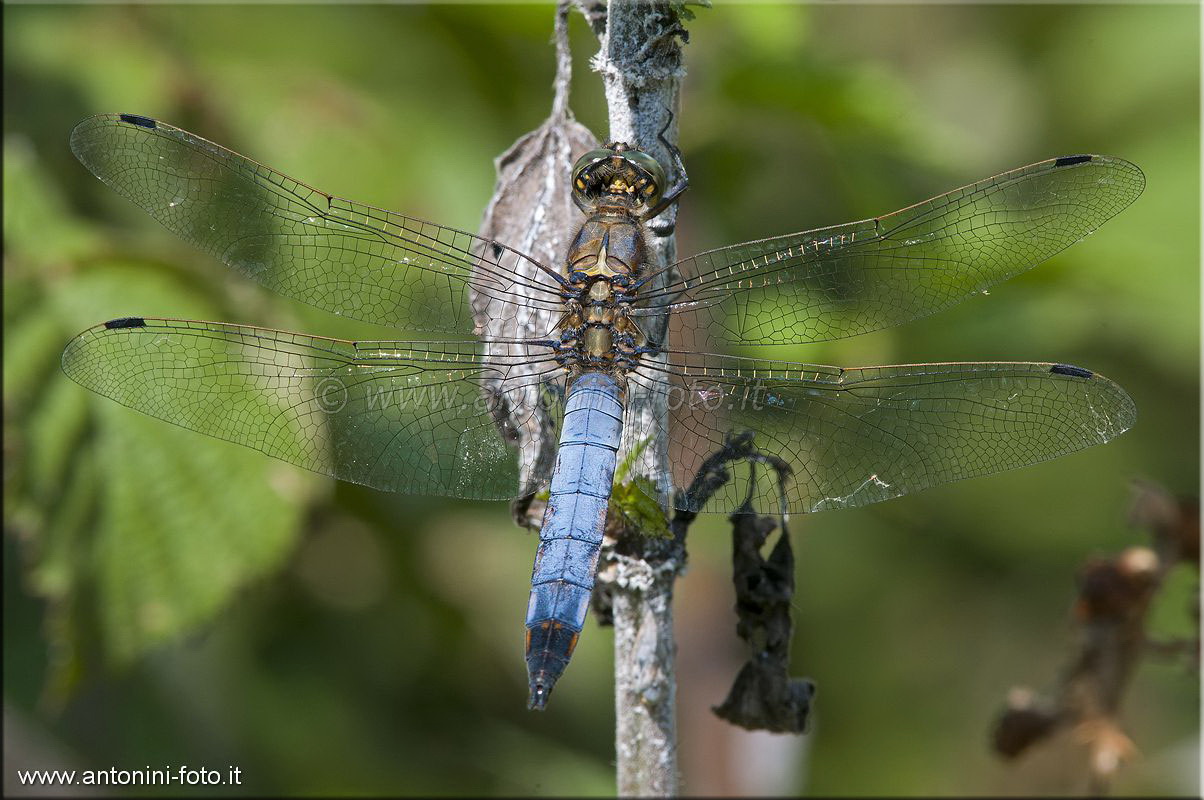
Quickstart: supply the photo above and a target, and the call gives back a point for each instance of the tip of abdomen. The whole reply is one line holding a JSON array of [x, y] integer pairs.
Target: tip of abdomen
[[550, 645], [541, 688]]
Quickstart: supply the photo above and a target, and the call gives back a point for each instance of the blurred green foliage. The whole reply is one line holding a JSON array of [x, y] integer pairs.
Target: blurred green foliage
[[217, 607]]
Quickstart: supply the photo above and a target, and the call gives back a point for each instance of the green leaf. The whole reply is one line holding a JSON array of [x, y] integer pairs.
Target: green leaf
[[634, 501], [185, 521], [37, 229], [624, 468], [635, 504], [134, 531]]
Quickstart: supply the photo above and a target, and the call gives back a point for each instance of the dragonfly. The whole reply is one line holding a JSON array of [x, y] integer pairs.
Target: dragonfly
[[437, 413]]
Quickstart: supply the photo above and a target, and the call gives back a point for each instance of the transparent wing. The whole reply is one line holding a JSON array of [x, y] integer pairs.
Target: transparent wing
[[338, 255], [415, 417], [858, 436], [851, 279]]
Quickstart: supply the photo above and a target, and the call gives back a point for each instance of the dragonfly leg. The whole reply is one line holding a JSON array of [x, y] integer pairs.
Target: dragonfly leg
[[671, 195]]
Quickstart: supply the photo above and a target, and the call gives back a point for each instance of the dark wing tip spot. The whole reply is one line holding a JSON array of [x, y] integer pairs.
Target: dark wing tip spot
[[126, 322], [142, 122], [1066, 161], [1072, 371], [497, 249]]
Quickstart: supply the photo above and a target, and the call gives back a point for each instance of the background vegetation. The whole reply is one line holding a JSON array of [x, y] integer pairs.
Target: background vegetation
[[174, 600]]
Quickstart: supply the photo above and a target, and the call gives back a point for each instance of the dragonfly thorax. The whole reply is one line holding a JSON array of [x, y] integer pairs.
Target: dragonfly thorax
[[608, 244], [597, 333], [604, 260]]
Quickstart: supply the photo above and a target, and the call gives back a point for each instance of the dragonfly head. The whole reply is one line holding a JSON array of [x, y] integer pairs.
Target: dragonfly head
[[617, 174]]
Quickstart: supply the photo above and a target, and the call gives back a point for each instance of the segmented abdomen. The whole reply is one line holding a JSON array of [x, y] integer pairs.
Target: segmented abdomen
[[563, 578]]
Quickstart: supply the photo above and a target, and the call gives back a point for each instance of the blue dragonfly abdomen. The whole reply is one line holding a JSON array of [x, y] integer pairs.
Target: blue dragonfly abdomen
[[562, 579]]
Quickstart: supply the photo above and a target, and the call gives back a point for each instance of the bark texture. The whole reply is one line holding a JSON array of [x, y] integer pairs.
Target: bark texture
[[640, 62]]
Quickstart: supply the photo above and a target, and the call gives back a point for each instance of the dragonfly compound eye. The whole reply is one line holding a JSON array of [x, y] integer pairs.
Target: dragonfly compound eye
[[618, 171], [649, 176]]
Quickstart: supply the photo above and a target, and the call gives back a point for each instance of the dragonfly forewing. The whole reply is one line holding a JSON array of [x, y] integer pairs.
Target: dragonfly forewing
[[850, 279], [345, 257]]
